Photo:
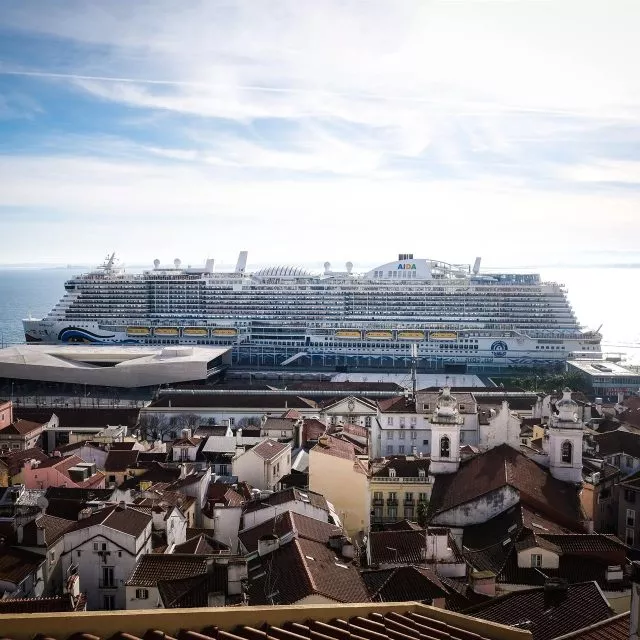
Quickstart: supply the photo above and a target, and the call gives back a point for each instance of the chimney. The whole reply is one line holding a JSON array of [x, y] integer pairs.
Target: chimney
[[84, 514], [323, 441], [555, 592], [268, 544], [635, 600], [483, 582]]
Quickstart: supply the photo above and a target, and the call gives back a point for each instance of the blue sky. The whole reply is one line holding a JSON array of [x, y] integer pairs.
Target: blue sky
[[310, 131]]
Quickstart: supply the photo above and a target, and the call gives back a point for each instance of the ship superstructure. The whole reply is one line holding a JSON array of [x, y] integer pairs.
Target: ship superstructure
[[287, 316]]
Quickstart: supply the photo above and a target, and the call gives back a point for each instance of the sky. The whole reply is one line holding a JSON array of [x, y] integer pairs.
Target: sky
[[313, 130]]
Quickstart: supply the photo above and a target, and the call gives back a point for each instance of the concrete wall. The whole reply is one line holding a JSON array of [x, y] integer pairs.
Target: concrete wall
[[480, 510], [225, 524], [550, 560], [504, 427], [259, 473]]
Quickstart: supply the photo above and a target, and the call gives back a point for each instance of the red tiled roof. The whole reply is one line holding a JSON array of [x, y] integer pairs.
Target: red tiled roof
[[616, 628], [337, 448], [152, 568], [21, 428], [225, 494], [547, 614], [16, 459], [52, 527], [16, 564], [397, 405], [53, 604], [403, 467], [270, 449], [289, 522], [120, 459], [303, 568], [201, 545], [403, 584], [312, 429], [128, 520], [504, 466]]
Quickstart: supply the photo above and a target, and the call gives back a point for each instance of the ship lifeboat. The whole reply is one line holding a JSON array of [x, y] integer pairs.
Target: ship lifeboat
[[443, 335], [138, 331], [410, 335], [166, 331], [348, 333], [227, 332], [379, 335], [195, 332]]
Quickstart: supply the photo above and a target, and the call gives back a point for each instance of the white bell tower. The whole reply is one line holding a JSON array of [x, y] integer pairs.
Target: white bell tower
[[445, 434], [565, 440]]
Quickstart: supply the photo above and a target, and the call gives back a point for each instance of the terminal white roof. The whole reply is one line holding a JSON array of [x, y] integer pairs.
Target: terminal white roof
[[111, 366], [601, 368]]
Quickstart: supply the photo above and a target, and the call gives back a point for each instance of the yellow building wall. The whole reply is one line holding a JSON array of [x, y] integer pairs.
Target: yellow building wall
[[400, 489], [347, 489]]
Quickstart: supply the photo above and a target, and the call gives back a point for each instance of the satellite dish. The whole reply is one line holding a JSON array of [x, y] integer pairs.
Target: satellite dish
[[156, 263]]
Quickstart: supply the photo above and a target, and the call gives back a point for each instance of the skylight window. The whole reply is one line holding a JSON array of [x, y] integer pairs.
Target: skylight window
[[309, 557]]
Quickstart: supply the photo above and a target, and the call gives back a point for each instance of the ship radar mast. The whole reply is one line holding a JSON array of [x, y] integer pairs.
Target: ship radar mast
[[109, 263]]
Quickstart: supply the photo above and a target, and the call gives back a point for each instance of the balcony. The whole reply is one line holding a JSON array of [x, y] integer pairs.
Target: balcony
[[402, 480], [107, 584], [409, 502], [392, 502], [377, 502]]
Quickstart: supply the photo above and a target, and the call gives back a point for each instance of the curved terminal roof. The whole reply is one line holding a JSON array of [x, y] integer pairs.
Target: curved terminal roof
[[282, 271]]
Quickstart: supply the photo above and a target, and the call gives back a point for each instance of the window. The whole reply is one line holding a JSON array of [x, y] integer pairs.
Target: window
[[414, 420], [567, 452], [389, 449], [408, 496], [232, 422], [392, 512], [377, 495], [402, 422], [401, 449], [108, 580], [425, 442], [52, 557], [401, 435], [109, 602], [425, 407], [392, 472], [629, 537], [393, 495], [112, 478], [616, 461], [367, 422], [629, 495], [421, 473], [96, 546], [390, 421], [536, 560], [408, 513], [142, 594], [414, 435], [445, 447], [422, 497], [389, 435], [283, 434], [631, 517]]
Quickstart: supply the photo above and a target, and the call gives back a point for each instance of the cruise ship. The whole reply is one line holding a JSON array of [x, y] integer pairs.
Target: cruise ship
[[449, 317]]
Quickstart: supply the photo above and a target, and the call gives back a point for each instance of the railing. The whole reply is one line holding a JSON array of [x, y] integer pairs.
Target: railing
[[392, 502], [405, 480], [378, 502]]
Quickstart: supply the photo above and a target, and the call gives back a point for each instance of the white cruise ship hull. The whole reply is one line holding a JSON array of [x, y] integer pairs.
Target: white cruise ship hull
[[287, 317]]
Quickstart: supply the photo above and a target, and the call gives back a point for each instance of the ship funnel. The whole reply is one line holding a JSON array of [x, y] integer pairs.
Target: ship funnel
[[241, 265], [476, 266], [208, 265]]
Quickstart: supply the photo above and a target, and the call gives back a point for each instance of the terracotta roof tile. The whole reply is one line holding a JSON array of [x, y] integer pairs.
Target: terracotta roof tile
[[402, 584], [128, 520], [289, 523], [193, 591], [270, 449], [287, 495], [152, 568], [120, 460], [21, 427], [504, 466], [304, 568], [53, 604], [16, 564], [547, 614], [616, 628], [201, 545], [52, 527], [16, 459]]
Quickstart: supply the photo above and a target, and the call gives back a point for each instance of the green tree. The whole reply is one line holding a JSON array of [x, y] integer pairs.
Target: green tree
[[422, 513]]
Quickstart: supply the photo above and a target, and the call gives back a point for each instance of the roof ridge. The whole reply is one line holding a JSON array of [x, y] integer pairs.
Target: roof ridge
[[312, 584]]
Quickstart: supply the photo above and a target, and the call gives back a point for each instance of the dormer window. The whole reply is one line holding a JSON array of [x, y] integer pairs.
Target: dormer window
[[392, 472]]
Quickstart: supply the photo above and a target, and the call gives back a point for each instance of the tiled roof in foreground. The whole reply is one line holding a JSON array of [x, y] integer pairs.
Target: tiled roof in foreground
[[410, 621]]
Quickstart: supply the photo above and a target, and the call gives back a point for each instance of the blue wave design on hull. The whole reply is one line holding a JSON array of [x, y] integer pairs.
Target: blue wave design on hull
[[73, 334]]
